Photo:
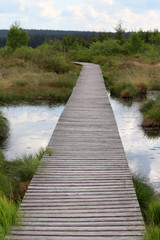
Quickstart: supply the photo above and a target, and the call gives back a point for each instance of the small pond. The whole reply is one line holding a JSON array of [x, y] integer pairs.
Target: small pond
[[32, 126], [142, 148]]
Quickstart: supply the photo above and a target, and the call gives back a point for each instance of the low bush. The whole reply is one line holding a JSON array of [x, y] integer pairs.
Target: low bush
[[108, 47], [80, 55]]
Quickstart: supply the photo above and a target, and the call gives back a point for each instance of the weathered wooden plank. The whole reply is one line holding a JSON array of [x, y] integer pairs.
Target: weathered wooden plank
[[78, 229], [84, 224], [78, 233], [17, 237], [69, 219]]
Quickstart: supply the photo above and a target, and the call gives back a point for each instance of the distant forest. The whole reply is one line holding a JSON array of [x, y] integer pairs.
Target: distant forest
[[37, 37]]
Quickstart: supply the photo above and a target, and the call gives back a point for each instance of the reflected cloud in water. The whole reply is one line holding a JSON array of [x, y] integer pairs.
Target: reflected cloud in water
[[143, 152], [30, 128]]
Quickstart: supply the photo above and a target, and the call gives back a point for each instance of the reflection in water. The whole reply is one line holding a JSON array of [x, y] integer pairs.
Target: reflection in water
[[143, 152], [30, 128]]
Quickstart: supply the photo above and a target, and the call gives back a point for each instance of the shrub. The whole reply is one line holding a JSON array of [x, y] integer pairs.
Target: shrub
[[56, 64], [80, 55], [107, 48], [152, 51], [27, 53], [17, 37], [6, 52], [44, 59]]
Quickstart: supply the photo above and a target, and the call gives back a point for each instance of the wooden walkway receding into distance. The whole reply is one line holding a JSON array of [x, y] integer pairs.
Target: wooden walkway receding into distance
[[84, 191]]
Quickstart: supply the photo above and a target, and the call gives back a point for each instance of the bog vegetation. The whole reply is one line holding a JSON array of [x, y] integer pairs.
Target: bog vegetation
[[46, 73]]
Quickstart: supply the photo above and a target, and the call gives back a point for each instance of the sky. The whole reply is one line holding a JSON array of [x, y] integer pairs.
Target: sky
[[81, 15]]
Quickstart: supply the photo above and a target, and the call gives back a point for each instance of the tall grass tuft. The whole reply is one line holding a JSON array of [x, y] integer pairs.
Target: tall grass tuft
[[16, 175], [153, 233], [8, 216], [14, 179], [145, 194], [151, 111], [154, 213], [133, 81]]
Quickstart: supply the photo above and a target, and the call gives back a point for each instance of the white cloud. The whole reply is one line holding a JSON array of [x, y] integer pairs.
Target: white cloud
[[48, 9], [90, 15], [96, 27], [134, 21], [107, 2], [75, 11]]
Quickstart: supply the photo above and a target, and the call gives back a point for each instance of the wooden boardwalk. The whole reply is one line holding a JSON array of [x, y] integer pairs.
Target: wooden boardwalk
[[85, 190]]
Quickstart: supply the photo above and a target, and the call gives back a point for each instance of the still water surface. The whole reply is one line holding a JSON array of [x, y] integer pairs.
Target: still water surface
[[32, 126], [142, 150]]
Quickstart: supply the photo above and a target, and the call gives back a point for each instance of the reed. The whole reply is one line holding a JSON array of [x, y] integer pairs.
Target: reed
[[8, 216], [145, 194]]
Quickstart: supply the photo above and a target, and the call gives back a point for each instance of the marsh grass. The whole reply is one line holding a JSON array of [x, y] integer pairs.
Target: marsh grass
[[133, 81], [149, 201], [8, 216], [151, 111], [4, 127], [145, 194], [130, 78], [14, 180], [35, 86], [16, 175], [36, 74], [153, 233], [154, 213]]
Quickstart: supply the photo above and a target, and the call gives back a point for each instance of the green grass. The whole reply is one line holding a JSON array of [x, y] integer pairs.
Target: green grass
[[153, 233], [145, 194], [41, 74], [4, 127], [151, 112], [8, 216], [154, 213], [16, 175], [149, 202], [129, 77], [14, 179], [34, 86]]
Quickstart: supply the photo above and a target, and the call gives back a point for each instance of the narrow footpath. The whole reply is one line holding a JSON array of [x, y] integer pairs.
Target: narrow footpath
[[84, 191]]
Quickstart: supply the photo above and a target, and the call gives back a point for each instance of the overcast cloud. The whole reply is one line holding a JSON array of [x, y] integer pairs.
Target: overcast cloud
[[83, 15]]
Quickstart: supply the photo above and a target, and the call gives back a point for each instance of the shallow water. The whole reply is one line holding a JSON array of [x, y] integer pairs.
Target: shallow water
[[30, 128], [142, 151]]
